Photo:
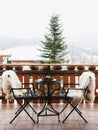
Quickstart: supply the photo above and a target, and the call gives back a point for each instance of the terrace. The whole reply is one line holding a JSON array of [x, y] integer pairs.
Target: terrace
[[69, 75]]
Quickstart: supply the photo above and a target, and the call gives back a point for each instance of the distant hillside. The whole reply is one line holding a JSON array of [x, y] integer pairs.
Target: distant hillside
[[81, 54], [9, 42], [28, 49], [24, 52], [76, 54]]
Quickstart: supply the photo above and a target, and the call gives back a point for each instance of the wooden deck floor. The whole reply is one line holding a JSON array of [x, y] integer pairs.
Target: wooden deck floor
[[74, 122]]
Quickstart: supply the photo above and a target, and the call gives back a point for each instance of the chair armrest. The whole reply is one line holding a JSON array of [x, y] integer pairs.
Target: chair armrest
[[22, 92], [76, 88], [68, 89]]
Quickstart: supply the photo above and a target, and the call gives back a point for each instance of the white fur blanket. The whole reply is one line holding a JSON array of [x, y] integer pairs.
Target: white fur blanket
[[86, 80], [10, 80]]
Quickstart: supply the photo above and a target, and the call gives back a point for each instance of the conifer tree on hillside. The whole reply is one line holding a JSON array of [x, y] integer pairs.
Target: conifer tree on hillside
[[54, 47]]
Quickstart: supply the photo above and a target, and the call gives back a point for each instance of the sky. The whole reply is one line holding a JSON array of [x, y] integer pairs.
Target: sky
[[30, 18]]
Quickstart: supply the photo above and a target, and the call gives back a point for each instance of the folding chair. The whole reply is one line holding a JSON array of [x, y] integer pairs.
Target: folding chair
[[26, 95], [69, 102]]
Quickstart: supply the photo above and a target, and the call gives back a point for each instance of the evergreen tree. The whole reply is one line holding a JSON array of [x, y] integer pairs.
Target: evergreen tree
[[54, 47]]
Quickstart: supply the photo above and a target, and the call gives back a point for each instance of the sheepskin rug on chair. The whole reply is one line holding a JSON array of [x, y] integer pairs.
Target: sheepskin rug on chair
[[10, 80], [86, 81]]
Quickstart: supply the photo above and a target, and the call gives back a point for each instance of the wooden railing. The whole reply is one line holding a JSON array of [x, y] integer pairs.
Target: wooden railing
[[68, 74]]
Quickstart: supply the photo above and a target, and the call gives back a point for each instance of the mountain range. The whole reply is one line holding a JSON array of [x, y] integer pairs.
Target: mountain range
[[10, 42], [28, 49]]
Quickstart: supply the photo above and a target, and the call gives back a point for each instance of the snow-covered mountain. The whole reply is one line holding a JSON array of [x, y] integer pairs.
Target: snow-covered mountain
[[10, 42], [23, 52], [81, 54], [76, 54], [28, 49]]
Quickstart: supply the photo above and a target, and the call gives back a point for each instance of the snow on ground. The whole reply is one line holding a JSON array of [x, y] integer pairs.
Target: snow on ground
[[24, 52]]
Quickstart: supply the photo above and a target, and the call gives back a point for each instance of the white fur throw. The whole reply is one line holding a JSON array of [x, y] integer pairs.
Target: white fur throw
[[10, 80], [86, 80]]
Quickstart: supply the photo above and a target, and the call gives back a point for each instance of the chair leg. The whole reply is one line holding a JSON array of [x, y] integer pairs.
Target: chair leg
[[22, 107], [68, 115], [77, 110]]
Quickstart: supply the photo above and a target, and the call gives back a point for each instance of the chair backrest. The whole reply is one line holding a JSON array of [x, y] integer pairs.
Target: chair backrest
[[87, 81]]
